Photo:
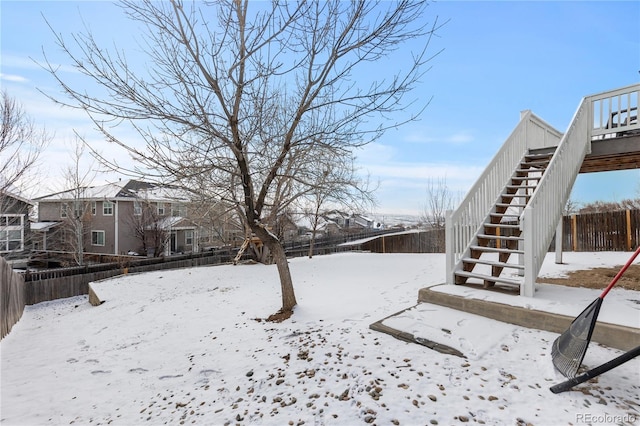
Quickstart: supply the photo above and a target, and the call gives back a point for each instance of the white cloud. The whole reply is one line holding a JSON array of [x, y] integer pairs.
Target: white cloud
[[13, 78], [424, 171], [462, 137]]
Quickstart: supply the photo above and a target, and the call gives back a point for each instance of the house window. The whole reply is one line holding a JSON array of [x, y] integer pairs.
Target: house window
[[107, 208], [94, 207], [188, 238], [63, 210], [161, 209], [178, 210], [97, 238], [137, 208], [11, 232]]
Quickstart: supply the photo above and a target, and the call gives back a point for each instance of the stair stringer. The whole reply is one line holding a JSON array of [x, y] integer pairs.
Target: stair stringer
[[542, 214], [465, 223]]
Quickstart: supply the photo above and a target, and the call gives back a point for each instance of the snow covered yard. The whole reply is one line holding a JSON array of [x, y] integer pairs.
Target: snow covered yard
[[188, 347]]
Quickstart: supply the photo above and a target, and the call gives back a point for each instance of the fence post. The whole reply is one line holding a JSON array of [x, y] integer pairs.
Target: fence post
[[628, 216], [574, 232]]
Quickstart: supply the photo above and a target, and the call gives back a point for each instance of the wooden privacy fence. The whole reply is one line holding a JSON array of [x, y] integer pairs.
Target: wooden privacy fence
[[431, 241], [12, 297], [42, 286], [606, 231]]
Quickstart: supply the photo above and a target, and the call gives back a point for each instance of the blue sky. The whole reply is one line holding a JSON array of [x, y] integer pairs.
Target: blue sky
[[499, 58]]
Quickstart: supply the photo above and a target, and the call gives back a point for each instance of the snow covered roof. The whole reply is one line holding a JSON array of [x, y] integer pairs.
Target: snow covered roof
[[121, 190], [175, 223], [43, 226], [17, 197]]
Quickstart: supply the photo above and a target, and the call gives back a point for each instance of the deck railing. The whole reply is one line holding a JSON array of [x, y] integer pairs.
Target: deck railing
[[615, 112], [464, 223]]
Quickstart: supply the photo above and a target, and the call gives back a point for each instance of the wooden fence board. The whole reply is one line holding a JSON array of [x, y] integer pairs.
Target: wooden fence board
[[606, 231], [12, 297]]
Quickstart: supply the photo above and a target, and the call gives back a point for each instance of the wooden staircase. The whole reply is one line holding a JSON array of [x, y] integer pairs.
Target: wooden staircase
[[491, 259], [499, 234]]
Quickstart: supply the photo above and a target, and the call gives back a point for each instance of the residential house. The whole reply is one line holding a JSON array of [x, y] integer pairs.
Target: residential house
[[354, 221], [14, 224], [119, 218]]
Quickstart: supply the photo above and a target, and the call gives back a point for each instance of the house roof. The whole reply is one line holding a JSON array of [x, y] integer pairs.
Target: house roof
[[43, 226], [175, 223], [17, 197], [121, 190]]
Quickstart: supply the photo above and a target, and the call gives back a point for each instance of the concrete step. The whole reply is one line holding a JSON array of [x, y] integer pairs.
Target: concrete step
[[475, 301]]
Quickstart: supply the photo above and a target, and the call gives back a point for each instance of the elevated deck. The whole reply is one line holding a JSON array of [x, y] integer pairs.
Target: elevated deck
[[611, 154]]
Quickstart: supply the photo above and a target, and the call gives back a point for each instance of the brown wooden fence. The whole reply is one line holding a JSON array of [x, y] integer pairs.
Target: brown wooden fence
[[54, 284], [607, 231], [431, 241], [12, 297]]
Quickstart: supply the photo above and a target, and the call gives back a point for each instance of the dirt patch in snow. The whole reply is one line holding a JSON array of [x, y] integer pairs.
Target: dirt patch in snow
[[599, 278]]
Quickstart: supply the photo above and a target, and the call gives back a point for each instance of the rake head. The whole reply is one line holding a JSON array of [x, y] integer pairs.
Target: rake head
[[568, 350]]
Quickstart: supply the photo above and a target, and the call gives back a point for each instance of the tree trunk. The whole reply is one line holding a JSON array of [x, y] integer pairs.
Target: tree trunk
[[280, 258], [80, 243]]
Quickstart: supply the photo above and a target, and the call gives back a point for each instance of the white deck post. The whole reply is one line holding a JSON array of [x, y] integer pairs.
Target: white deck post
[[527, 287], [448, 243], [559, 231]]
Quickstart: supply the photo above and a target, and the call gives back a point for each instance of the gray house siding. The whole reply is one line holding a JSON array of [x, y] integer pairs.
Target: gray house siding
[[15, 235]]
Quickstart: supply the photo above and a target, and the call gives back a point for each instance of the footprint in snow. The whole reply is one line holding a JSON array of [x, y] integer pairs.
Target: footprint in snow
[[169, 376]]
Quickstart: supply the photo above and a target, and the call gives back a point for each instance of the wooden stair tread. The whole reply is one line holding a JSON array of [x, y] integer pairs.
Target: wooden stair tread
[[500, 237], [483, 277], [493, 263], [496, 250], [515, 205], [502, 225]]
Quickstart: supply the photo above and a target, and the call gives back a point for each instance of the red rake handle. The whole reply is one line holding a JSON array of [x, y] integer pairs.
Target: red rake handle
[[619, 274]]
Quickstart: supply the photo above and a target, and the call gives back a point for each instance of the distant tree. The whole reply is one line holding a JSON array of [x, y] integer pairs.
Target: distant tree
[[147, 226], [571, 207], [439, 200], [21, 143], [335, 184], [77, 212], [607, 206], [233, 90]]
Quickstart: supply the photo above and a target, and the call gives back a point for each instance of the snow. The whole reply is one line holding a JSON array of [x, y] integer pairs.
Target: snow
[[187, 347]]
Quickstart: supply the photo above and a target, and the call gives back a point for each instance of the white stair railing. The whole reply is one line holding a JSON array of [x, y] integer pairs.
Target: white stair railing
[[465, 222]]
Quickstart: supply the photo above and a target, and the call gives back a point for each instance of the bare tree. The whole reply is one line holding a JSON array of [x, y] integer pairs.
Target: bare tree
[[439, 200], [335, 184], [21, 143], [232, 90], [571, 207], [609, 206], [77, 212], [147, 226]]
